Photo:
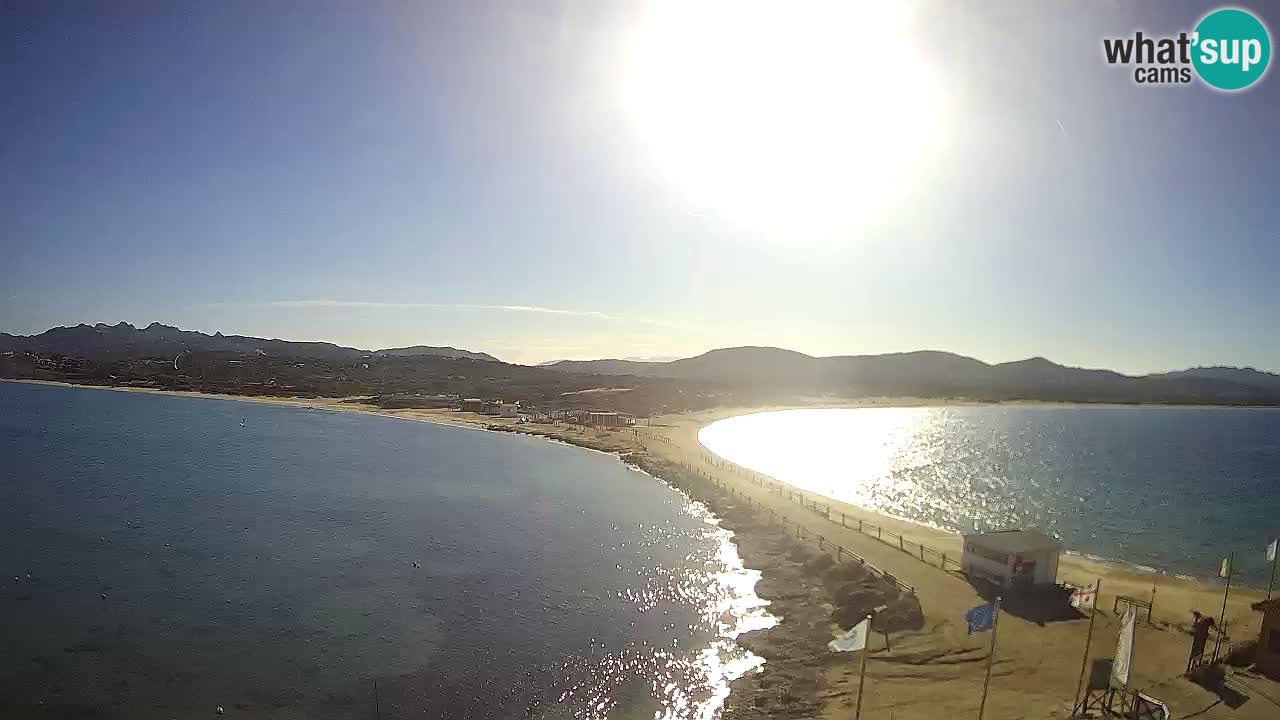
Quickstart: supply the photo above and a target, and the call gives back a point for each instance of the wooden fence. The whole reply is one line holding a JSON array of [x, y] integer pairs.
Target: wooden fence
[[801, 531], [1133, 602], [921, 551], [1121, 703], [650, 436]]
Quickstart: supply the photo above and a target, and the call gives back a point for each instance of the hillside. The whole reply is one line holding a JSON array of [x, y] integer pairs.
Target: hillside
[[164, 356], [1243, 376], [156, 340], [445, 352], [943, 374]]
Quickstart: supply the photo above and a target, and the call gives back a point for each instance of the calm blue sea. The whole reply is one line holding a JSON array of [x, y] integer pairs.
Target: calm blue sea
[[1169, 488], [269, 568]]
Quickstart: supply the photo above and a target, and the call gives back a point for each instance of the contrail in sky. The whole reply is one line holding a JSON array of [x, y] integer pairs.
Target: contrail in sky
[[447, 306], [378, 305]]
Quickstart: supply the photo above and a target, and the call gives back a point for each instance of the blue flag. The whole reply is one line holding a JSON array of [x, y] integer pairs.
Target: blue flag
[[980, 618]]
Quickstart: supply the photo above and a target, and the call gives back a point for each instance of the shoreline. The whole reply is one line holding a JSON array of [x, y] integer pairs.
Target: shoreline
[[815, 403], [923, 528], [920, 677], [755, 552]]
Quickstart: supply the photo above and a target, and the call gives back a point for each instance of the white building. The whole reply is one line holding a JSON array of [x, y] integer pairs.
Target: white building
[[609, 419], [509, 410], [1012, 558]]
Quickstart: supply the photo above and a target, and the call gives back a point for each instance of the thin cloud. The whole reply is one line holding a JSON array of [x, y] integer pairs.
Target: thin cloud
[[376, 305], [444, 306], [537, 309]]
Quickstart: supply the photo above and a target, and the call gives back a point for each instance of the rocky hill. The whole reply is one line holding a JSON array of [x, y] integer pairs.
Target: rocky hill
[[446, 352], [943, 374], [167, 356], [156, 340]]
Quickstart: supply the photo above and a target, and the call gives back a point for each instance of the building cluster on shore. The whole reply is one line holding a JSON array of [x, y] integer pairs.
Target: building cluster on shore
[[508, 408], [513, 409]]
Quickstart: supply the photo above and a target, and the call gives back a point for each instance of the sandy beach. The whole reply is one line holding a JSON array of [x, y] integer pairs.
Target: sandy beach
[[935, 670]]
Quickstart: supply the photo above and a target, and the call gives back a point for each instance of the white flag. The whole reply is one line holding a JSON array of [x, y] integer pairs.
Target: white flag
[[1271, 550], [1225, 569], [1124, 648], [1085, 597], [855, 639]]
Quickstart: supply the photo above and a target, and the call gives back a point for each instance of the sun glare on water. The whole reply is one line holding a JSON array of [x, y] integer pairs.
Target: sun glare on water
[[781, 114], [848, 454]]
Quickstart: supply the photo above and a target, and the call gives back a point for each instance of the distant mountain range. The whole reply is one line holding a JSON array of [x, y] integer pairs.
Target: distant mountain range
[[759, 374], [156, 340], [447, 352], [943, 374], [653, 359]]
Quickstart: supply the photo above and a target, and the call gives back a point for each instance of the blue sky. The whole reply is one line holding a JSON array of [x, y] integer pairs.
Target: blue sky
[[480, 174]]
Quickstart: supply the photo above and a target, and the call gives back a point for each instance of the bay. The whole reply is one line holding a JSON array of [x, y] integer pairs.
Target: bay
[[1172, 489], [180, 560]]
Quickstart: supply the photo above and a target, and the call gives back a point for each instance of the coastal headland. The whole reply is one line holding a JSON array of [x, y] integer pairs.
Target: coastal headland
[[922, 661]]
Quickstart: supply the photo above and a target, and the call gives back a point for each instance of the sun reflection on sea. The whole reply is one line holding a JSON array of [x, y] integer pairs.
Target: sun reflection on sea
[[853, 459], [681, 684], [934, 465]]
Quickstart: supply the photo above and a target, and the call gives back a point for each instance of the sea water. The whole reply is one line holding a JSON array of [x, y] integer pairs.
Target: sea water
[[1174, 489], [163, 556]]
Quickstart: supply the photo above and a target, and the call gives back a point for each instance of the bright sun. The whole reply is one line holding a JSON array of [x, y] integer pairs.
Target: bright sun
[[781, 115]]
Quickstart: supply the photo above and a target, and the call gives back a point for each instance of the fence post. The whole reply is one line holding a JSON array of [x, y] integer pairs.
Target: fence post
[[880, 532], [842, 520], [944, 561], [922, 552], [901, 546], [859, 524]]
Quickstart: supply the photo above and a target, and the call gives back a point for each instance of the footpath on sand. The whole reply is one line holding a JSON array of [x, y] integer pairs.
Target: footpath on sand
[[939, 669]]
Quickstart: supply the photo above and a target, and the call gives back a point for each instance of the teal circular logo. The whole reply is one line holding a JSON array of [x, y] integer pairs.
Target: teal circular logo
[[1232, 49]]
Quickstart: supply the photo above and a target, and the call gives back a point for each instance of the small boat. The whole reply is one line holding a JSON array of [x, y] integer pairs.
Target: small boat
[[241, 422]]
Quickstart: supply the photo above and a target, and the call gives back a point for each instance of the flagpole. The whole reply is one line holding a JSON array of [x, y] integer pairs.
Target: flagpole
[[1275, 553], [862, 674], [1222, 628], [995, 624], [1088, 640], [1151, 608], [1132, 677]]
